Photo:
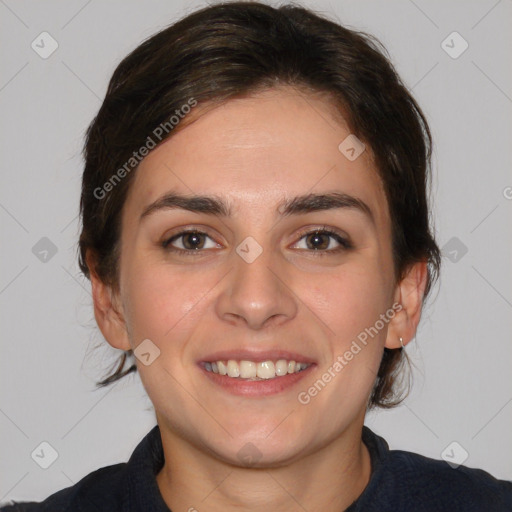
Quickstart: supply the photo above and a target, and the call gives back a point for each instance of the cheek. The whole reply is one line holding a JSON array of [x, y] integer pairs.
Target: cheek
[[166, 308], [349, 303], [155, 304], [166, 305], [349, 300]]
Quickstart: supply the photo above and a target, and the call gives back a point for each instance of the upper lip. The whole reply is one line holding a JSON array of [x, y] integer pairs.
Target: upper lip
[[257, 356]]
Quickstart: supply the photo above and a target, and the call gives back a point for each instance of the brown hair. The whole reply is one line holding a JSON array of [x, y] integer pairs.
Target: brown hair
[[232, 50]]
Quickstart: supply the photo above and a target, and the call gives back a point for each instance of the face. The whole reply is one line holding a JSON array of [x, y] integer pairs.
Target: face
[[261, 279]]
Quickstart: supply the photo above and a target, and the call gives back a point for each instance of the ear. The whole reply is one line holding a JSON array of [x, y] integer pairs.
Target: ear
[[108, 310], [409, 293]]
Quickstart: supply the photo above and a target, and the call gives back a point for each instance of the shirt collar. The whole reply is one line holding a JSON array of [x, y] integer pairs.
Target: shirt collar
[[142, 493]]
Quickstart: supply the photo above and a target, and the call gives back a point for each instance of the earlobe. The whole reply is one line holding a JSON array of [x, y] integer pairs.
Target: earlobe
[[409, 294], [108, 311]]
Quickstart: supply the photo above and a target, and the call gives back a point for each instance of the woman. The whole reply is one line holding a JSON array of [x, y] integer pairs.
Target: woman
[[256, 232]]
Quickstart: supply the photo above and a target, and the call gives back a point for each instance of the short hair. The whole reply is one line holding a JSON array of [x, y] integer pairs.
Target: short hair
[[233, 50]]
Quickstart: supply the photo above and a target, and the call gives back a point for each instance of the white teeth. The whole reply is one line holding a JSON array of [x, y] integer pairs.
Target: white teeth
[[247, 369], [222, 368], [266, 370], [255, 371], [233, 368], [281, 367]]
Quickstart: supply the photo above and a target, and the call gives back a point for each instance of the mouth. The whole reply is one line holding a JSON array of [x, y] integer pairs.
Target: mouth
[[256, 374], [253, 370]]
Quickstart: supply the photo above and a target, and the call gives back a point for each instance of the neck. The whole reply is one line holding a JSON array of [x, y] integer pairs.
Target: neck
[[330, 479]]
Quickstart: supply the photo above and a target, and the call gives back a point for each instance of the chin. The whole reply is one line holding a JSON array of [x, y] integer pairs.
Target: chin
[[252, 450], [252, 457]]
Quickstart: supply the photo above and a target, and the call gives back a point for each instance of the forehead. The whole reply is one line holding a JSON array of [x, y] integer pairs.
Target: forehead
[[258, 150]]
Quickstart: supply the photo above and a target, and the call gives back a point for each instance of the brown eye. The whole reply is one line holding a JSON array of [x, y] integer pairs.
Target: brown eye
[[193, 241], [318, 241], [188, 241], [323, 241]]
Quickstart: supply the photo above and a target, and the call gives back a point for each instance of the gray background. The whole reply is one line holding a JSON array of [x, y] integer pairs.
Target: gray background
[[462, 382]]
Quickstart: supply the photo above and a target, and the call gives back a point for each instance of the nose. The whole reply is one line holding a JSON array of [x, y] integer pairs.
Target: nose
[[255, 291]]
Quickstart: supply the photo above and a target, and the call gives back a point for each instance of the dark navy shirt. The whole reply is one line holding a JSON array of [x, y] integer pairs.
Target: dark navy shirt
[[400, 481]]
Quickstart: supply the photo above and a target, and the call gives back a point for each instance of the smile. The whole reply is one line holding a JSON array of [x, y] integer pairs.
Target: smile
[[252, 370]]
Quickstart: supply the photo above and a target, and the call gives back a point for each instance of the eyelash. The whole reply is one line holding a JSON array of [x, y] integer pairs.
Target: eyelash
[[344, 243]]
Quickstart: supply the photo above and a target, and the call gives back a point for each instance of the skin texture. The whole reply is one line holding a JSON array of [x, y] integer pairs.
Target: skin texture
[[255, 152]]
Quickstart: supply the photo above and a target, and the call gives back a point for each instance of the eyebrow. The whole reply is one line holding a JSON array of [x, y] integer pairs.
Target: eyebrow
[[307, 203]]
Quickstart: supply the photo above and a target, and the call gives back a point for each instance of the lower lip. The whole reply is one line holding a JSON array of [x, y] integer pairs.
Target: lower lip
[[257, 388]]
